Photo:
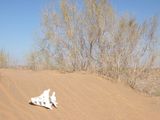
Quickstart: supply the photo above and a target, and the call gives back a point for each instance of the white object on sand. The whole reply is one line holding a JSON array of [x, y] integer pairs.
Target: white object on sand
[[53, 99], [45, 100]]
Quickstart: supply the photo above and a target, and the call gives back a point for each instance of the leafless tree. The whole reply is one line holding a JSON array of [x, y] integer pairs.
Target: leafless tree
[[92, 36]]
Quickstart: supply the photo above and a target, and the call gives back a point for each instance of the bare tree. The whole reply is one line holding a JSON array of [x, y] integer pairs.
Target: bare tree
[[91, 36]]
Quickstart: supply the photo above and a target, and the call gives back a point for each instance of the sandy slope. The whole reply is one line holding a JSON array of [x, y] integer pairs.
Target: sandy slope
[[81, 96]]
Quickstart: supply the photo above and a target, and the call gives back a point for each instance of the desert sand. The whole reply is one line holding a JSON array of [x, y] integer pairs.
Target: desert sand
[[81, 96]]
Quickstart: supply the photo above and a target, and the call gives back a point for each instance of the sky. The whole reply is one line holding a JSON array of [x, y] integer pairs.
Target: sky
[[20, 21]]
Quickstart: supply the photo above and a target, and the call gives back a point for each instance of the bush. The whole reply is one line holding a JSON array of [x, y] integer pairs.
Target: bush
[[39, 60], [96, 39], [4, 59]]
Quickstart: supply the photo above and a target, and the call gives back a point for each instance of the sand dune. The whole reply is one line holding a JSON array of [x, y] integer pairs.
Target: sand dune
[[81, 96]]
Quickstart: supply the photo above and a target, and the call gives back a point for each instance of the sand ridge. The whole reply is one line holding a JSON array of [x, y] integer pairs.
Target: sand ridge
[[81, 96]]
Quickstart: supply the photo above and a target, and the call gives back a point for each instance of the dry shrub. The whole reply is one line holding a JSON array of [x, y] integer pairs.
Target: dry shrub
[[4, 59], [91, 36], [32, 61], [37, 60]]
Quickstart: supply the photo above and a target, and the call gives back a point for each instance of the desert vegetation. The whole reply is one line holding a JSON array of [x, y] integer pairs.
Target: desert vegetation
[[4, 59], [94, 37]]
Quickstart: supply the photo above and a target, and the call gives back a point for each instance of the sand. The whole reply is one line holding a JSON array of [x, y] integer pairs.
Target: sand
[[81, 96]]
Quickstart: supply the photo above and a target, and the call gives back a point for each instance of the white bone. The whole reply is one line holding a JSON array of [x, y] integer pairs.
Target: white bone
[[45, 100], [53, 99]]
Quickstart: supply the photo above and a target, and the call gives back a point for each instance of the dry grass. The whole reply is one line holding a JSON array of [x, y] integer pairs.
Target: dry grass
[[97, 39]]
